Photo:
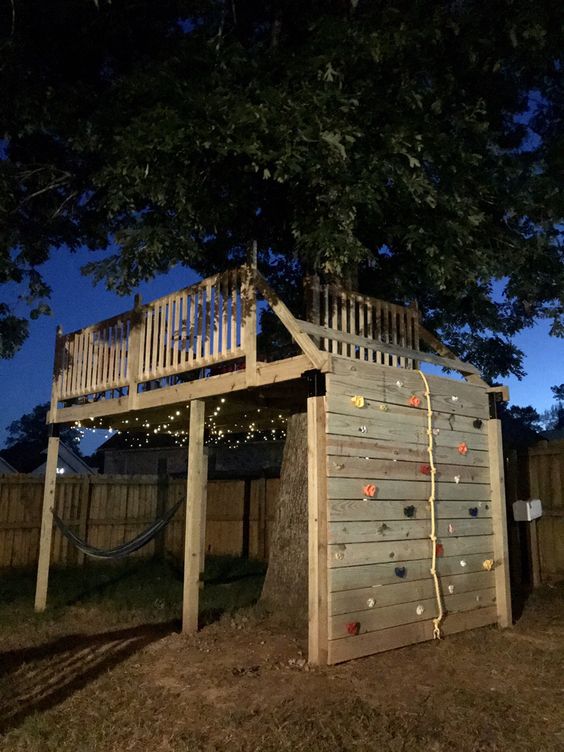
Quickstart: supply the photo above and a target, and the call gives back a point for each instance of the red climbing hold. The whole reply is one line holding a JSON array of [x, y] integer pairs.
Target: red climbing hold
[[463, 448], [439, 549], [425, 469], [353, 627], [414, 400], [369, 489]]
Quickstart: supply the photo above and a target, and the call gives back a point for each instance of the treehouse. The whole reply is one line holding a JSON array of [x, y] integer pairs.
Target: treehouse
[[407, 529]]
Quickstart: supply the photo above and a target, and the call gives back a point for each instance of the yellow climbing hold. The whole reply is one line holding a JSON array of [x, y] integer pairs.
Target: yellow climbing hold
[[358, 400], [488, 564]]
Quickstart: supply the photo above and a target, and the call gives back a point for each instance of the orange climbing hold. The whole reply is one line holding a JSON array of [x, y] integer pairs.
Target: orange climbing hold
[[463, 448], [414, 400], [369, 489]]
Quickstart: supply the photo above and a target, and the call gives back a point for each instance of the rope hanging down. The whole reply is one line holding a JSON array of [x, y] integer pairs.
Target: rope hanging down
[[433, 536], [119, 552]]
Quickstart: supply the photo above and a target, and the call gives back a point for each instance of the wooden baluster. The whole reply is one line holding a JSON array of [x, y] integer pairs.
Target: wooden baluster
[[224, 301], [249, 324], [176, 333], [238, 310], [334, 319]]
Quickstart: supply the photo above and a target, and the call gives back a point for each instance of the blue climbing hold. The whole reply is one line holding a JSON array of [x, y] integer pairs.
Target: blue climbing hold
[[473, 511], [400, 572]]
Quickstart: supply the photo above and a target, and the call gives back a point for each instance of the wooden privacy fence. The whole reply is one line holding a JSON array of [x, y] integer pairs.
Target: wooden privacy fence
[[546, 476], [108, 510]]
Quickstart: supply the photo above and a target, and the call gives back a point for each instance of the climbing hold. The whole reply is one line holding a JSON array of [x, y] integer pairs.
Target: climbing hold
[[436, 431], [383, 527], [477, 423], [362, 429], [478, 598], [414, 400], [457, 479], [473, 511], [400, 572], [451, 528], [463, 448], [488, 564], [384, 408], [451, 589], [454, 398], [338, 466], [419, 610], [425, 469], [353, 627], [439, 549], [369, 489], [370, 602], [358, 400], [399, 383], [339, 555], [409, 511], [462, 563]]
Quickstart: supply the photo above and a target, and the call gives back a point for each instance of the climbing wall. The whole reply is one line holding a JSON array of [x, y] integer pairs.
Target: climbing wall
[[381, 594]]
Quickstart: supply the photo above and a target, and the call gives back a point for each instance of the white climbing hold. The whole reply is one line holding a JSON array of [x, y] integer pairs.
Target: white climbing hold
[[436, 431], [370, 602], [462, 563], [451, 528], [454, 398], [384, 408], [399, 383], [457, 478], [451, 589], [362, 429], [419, 610], [340, 555]]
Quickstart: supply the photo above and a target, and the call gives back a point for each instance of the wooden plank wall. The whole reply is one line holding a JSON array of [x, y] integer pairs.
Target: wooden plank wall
[[108, 510], [546, 474], [379, 552]]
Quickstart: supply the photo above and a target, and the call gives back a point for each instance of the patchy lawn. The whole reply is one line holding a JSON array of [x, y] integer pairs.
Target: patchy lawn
[[105, 669]]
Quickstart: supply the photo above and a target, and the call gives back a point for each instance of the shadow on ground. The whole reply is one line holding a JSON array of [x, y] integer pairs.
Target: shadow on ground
[[62, 666]]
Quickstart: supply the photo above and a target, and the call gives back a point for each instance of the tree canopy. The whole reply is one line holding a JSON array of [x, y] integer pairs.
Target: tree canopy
[[414, 146]]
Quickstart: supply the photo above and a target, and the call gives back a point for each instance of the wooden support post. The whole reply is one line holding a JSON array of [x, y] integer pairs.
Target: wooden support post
[[317, 531], [499, 522], [194, 521], [262, 530], [534, 553], [204, 516], [46, 524]]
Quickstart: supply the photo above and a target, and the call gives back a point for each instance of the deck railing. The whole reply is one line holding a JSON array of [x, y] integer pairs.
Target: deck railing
[[364, 318], [192, 328]]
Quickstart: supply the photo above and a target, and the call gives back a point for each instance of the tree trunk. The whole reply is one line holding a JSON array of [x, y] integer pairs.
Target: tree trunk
[[285, 590]]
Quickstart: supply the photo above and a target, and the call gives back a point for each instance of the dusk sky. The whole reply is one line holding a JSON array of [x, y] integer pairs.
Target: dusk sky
[[77, 303]]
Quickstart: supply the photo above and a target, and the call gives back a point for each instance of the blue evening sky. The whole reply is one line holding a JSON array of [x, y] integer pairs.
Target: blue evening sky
[[26, 379]]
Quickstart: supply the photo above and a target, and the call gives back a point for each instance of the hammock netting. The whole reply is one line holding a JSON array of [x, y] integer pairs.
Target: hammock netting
[[118, 552]]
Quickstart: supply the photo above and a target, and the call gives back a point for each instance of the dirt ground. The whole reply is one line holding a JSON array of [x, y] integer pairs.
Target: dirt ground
[[90, 676]]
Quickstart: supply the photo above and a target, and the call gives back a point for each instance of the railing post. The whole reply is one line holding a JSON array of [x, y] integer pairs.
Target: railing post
[[134, 353], [249, 322]]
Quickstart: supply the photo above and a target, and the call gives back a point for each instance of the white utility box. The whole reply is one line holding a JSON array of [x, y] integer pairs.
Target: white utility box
[[527, 511]]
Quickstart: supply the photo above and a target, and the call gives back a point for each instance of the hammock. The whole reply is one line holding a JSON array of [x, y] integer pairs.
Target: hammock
[[119, 552]]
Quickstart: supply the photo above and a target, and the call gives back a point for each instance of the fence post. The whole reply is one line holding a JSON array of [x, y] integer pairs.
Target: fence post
[[85, 498]]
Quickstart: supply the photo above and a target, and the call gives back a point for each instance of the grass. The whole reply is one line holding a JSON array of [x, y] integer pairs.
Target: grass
[[105, 669]]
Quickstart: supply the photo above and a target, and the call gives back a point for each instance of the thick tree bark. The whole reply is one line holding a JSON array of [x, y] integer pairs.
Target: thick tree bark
[[285, 591]]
